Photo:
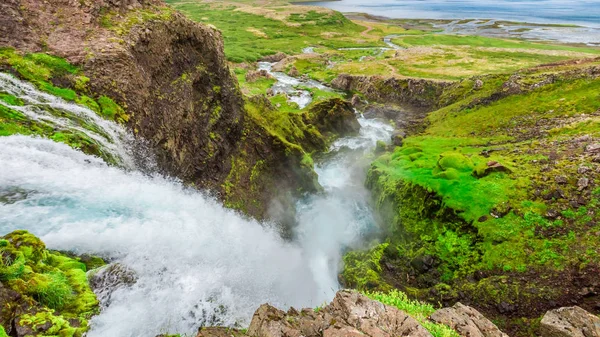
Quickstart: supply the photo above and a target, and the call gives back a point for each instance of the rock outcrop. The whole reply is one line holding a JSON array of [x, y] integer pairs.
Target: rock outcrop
[[349, 314], [570, 322], [334, 116], [171, 76], [418, 94], [467, 321]]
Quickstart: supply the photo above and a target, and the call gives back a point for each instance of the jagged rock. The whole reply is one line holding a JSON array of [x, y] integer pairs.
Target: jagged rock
[[570, 322], [478, 84], [356, 100], [107, 279], [216, 332], [274, 58], [349, 314], [406, 92], [467, 321], [583, 169], [583, 183], [253, 76], [552, 214], [593, 148], [293, 72], [561, 180], [491, 167], [398, 137], [333, 116]]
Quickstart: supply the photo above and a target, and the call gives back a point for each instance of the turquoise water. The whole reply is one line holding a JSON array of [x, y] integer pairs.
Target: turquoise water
[[579, 12]]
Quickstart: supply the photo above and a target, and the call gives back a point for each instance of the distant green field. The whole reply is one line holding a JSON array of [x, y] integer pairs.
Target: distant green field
[[248, 37]]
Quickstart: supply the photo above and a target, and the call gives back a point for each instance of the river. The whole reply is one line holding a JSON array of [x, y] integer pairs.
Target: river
[[197, 262]]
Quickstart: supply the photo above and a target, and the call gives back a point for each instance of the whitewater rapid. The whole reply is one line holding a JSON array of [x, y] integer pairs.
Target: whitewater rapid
[[197, 262]]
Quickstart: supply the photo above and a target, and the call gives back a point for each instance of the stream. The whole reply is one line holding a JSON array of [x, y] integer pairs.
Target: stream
[[197, 262]]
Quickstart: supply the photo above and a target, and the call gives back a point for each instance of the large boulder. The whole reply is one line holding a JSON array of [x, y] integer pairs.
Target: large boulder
[[467, 321], [349, 314], [107, 279], [333, 116], [570, 322]]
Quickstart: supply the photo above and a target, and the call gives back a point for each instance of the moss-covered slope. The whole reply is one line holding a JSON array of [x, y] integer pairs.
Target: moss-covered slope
[[495, 203], [42, 293]]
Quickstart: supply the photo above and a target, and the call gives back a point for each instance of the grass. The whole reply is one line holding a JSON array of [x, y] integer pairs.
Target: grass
[[417, 310], [248, 36], [56, 285], [439, 201], [252, 30]]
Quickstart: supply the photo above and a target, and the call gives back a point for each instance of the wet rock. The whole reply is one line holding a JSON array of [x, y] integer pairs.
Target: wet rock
[[593, 148], [561, 180], [293, 72], [583, 169], [398, 137], [216, 332], [274, 58], [467, 321], [107, 279], [356, 100], [583, 183], [349, 314], [478, 84], [570, 322], [253, 76], [333, 116]]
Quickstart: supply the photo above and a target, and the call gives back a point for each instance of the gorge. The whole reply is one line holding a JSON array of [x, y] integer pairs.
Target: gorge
[[196, 167]]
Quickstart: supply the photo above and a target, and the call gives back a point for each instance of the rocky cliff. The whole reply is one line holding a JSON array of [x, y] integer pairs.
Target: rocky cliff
[[354, 314], [171, 78]]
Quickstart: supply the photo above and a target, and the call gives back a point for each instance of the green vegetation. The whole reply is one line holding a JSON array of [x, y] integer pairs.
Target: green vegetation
[[56, 297], [478, 191], [41, 70], [253, 32], [122, 24], [417, 310]]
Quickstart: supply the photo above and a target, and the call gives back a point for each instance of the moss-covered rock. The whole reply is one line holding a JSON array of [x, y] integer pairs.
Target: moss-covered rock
[[42, 292]]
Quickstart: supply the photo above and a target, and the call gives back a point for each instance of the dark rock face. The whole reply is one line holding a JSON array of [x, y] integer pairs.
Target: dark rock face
[[415, 93], [467, 321], [180, 93], [570, 322], [334, 116], [349, 314], [171, 76]]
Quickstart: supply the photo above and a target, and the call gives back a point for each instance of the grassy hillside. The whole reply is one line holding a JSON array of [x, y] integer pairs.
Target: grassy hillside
[[495, 203]]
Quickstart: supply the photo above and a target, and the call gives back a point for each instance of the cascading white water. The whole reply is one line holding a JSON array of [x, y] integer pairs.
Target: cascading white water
[[197, 262], [288, 85], [38, 106]]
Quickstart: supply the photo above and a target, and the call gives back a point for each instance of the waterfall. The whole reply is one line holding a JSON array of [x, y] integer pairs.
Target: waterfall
[[42, 107], [197, 262]]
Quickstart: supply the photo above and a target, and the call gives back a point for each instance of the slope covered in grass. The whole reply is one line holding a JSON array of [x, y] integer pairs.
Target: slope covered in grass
[[502, 183]]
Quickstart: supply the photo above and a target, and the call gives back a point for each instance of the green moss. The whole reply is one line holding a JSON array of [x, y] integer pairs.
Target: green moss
[[11, 99], [2, 332], [362, 269], [417, 310], [56, 283]]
